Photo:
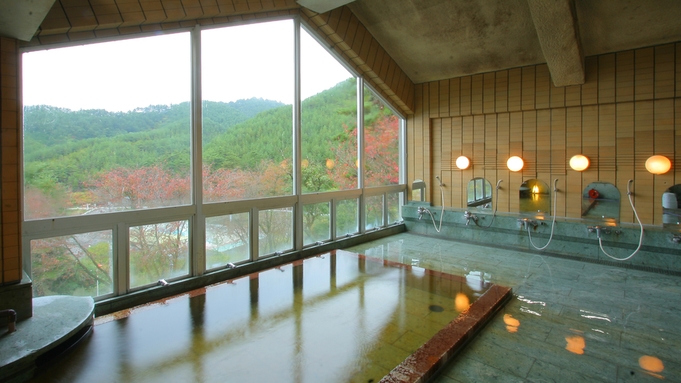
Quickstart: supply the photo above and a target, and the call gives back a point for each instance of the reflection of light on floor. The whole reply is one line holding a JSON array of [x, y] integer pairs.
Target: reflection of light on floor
[[652, 365], [461, 302], [512, 324], [575, 344]]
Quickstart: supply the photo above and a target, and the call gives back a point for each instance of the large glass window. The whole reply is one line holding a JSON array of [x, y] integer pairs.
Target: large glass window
[[347, 217], [158, 251], [79, 264], [247, 88], [316, 223], [106, 127], [275, 230], [328, 120], [393, 204], [374, 212], [381, 142], [107, 145], [227, 240]]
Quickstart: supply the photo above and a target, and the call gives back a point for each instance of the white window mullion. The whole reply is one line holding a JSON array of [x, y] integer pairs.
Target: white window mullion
[[121, 252], [297, 138], [360, 154], [198, 224], [254, 233]]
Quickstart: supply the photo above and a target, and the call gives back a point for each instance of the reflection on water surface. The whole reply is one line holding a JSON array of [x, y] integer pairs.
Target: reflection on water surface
[[337, 318]]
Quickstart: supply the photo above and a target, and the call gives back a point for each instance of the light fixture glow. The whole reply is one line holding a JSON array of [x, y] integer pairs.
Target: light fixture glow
[[658, 164], [515, 164], [579, 162], [463, 162]]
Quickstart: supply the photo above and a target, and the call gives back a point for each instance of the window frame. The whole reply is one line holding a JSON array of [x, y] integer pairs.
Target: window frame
[[196, 213]]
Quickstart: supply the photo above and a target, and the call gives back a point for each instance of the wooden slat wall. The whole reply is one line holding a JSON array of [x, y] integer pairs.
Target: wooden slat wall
[[10, 232], [627, 110], [76, 20], [357, 47]]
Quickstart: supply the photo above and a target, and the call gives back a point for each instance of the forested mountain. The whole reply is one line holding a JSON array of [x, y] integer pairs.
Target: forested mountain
[[67, 148], [73, 159]]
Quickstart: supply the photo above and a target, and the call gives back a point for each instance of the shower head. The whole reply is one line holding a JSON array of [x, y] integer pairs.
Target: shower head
[[498, 183], [440, 181]]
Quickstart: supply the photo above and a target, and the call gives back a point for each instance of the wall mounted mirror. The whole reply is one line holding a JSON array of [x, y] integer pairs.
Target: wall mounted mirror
[[601, 201], [418, 190], [671, 208], [479, 193], [535, 197]]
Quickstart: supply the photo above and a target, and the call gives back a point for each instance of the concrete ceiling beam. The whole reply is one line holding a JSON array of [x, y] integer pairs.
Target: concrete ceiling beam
[[556, 25]]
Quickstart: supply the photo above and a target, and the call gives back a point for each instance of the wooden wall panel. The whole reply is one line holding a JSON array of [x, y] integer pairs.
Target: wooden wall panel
[[627, 110], [607, 142], [644, 74], [448, 158], [527, 88], [664, 145], [543, 87], [437, 153], [458, 187], [677, 71], [465, 96], [625, 152], [503, 152], [590, 87], [624, 76], [664, 71], [444, 98], [455, 97], [559, 156], [514, 90], [573, 145], [476, 94], [10, 197], [501, 91], [606, 79]]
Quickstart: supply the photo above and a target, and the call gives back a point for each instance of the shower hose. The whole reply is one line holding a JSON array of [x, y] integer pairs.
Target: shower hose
[[553, 224], [640, 239], [442, 212]]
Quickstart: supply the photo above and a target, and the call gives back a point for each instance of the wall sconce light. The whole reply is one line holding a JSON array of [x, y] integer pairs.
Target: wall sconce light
[[658, 164], [463, 162], [515, 164], [579, 162]]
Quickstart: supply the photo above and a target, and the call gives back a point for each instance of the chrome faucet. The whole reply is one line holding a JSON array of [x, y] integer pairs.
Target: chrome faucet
[[676, 238], [421, 210], [598, 230], [526, 222], [468, 216]]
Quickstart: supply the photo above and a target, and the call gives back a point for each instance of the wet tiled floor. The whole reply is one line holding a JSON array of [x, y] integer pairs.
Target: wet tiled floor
[[568, 321]]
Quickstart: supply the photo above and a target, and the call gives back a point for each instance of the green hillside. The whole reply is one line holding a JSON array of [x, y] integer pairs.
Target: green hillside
[[66, 149]]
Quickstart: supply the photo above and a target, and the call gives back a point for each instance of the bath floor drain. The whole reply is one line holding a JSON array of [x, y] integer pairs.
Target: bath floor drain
[[436, 308]]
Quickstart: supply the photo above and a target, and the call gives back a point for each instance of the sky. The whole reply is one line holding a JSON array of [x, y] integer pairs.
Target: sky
[[237, 63]]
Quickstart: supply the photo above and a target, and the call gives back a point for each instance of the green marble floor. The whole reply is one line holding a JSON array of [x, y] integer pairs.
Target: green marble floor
[[569, 321]]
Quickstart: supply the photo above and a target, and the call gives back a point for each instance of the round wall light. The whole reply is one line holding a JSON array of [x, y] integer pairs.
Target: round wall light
[[579, 162], [658, 164], [515, 164], [463, 162]]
